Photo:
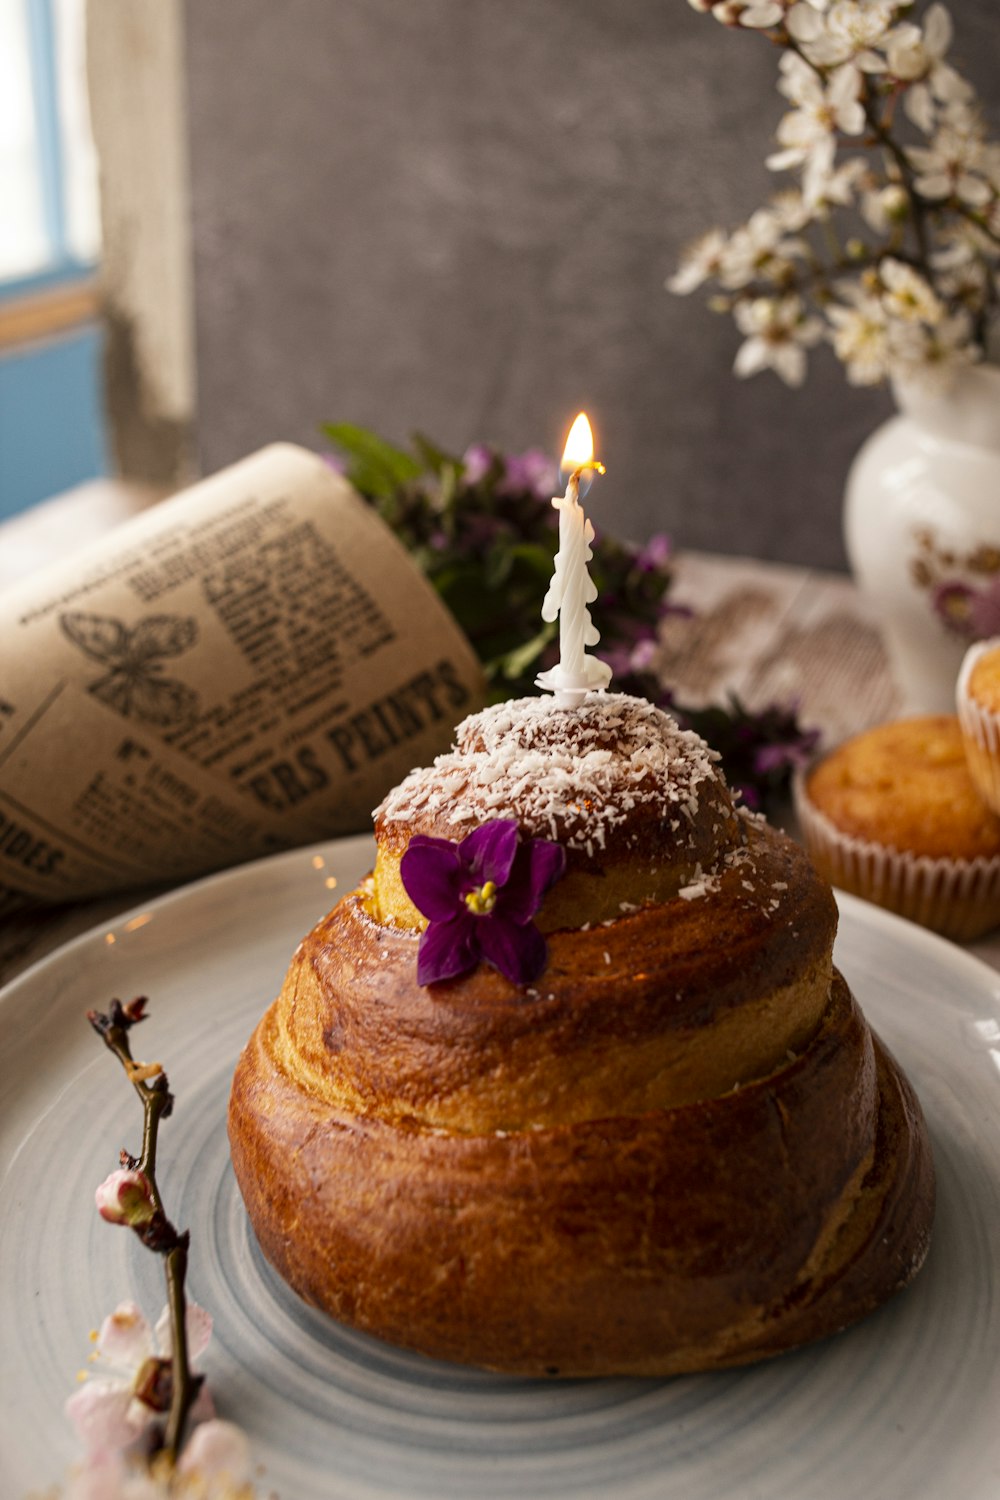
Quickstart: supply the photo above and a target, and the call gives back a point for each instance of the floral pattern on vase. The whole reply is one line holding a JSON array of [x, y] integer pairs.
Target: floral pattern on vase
[[964, 588]]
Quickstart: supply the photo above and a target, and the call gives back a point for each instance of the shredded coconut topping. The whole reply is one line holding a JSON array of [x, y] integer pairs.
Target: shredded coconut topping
[[703, 884], [567, 773]]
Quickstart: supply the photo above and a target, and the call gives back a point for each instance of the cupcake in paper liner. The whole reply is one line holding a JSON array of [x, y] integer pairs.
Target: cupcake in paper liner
[[978, 701], [893, 815]]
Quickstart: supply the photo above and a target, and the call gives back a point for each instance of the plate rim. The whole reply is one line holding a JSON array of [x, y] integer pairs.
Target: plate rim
[[865, 913], [866, 919], [232, 874]]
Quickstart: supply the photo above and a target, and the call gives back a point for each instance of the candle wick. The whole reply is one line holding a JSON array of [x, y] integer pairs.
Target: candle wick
[[592, 463]]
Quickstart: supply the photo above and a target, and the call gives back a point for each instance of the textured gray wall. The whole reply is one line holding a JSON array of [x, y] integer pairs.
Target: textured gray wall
[[458, 215]]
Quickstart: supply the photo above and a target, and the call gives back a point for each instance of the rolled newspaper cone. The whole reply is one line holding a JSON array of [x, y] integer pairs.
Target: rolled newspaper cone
[[244, 668]]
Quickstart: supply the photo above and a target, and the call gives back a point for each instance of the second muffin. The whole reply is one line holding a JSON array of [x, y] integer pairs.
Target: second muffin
[[892, 815], [978, 699]]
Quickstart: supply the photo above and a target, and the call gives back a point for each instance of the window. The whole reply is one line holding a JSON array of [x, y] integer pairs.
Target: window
[[50, 224], [51, 422]]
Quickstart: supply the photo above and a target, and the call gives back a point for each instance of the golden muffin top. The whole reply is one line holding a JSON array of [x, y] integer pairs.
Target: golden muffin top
[[906, 785]]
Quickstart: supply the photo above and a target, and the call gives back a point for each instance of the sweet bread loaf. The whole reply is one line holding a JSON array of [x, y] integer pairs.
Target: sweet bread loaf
[[677, 1147]]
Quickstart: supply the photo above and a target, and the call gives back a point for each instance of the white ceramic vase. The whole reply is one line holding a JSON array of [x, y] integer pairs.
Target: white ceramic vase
[[922, 529]]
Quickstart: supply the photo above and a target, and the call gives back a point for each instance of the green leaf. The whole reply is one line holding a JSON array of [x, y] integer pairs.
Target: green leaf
[[476, 609], [534, 559], [375, 466], [497, 566], [516, 663], [451, 481], [435, 458]]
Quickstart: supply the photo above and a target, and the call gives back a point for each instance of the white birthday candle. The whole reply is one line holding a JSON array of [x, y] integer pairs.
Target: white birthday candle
[[572, 589]]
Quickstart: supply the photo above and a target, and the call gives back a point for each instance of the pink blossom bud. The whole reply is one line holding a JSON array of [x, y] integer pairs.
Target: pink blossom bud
[[126, 1198]]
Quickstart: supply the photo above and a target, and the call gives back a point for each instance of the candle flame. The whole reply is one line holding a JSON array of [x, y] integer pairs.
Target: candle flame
[[579, 449], [578, 464]]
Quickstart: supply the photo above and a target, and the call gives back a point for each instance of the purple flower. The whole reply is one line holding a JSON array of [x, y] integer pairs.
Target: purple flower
[[532, 471], [969, 611], [682, 611], [656, 554], [477, 461], [479, 897], [768, 759], [628, 657], [952, 602], [984, 611]]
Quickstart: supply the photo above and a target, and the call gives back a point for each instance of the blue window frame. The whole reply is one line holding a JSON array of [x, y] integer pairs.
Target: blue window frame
[[49, 139], [52, 433]]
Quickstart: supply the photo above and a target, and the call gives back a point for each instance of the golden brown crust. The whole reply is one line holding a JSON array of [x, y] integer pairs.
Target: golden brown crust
[[683, 1239], [680, 1149], [649, 1011]]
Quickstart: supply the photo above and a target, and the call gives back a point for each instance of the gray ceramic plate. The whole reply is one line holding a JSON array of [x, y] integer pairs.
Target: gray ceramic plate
[[905, 1405]]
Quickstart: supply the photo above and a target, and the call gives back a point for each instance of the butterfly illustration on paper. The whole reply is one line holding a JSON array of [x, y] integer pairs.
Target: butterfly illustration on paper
[[133, 684]]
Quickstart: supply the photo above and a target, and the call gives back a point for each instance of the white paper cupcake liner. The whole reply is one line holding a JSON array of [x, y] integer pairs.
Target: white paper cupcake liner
[[957, 897], [980, 730]]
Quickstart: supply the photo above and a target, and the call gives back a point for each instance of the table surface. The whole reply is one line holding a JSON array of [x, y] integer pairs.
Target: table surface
[[767, 632]]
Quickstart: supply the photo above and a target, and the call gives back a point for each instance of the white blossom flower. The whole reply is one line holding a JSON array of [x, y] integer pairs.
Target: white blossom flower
[[924, 293], [110, 1410], [960, 265], [838, 187], [762, 14], [885, 207], [906, 295], [860, 336], [966, 282], [912, 52], [805, 23], [756, 248], [857, 25], [213, 1465], [848, 33], [778, 334], [700, 261], [790, 210], [217, 1451], [932, 356], [916, 56], [798, 82], [953, 163], [757, 14], [807, 133], [729, 11]]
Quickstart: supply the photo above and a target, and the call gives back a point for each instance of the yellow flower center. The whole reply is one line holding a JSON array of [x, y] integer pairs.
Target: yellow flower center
[[482, 899]]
